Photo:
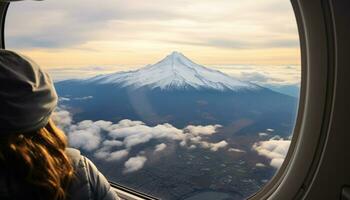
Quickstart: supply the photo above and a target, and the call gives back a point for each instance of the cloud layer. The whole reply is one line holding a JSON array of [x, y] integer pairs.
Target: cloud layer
[[113, 141]]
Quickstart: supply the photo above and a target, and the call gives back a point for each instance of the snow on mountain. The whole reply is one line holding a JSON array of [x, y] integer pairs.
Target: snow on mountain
[[175, 71]]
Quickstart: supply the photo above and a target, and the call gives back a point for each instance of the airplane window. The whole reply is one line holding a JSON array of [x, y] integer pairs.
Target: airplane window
[[177, 99]]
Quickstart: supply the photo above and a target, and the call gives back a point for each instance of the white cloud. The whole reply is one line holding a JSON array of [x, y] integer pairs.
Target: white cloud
[[260, 165], [62, 118], [217, 146], [138, 32], [101, 155], [112, 143], [83, 98], [236, 150], [160, 147], [134, 164], [63, 99], [276, 137], [117, 155], [128, 123], [135, 133], [120, 19], [213, 146], [86, 135], [262, 134], [103, 124], [265, 75], [111, 156], [276, 150], [202, 130], [134, 140]]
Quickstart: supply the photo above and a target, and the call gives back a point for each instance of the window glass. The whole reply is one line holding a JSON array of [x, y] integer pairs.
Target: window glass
[[177, 99]]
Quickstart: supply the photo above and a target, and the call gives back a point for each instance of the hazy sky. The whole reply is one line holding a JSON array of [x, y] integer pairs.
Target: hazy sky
[[77, 33]]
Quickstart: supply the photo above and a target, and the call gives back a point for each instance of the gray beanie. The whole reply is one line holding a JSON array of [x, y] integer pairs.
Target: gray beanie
[[27, 94]]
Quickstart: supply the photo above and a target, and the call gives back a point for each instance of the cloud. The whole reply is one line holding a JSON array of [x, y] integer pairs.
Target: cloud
[[134, 140], [263, 134], [160, 147], [262, 78], [217, 146], [202, 130], [213, 146], [62, 118], [236, 150], [260, 165], [134, 164], [137, 32], [270, 76], [241, 44], [111, 156], [63, 99], [138, 133], [113, 141], [64, 73], [255, 77], [276, 150], [85, 135], [95, 20], [117, 155], [83, 98]]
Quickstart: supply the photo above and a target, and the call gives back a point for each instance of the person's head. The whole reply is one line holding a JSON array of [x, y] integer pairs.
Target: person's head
[[32, 148]]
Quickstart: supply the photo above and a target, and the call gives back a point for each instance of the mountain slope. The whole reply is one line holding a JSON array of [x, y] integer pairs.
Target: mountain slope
[[175, 71], [178, 91]]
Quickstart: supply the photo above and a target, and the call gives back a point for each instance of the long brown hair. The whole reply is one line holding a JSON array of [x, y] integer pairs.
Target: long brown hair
[[38, 161]]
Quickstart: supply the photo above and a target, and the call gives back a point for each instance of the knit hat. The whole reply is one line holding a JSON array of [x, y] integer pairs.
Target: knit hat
[[27, 94]]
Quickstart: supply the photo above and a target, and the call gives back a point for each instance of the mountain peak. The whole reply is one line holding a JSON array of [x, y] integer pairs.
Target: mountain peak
[[175, 71], [176, 53], [174, 60]]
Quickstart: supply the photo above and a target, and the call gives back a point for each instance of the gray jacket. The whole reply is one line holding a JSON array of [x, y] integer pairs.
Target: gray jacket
[[88, 184]]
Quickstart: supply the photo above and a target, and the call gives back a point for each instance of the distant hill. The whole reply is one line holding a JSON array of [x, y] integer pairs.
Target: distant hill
[[291, 90]]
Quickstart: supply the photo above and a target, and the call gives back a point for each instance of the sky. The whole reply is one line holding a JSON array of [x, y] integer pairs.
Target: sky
[[250, 39]]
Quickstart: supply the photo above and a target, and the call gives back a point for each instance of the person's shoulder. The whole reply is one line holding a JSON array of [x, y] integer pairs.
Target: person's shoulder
[[73, 153], [75, 157], [80, 185], [79, 161], [89, 179]]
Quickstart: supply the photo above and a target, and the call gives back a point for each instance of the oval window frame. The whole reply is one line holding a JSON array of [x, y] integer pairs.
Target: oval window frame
[[315, 24]]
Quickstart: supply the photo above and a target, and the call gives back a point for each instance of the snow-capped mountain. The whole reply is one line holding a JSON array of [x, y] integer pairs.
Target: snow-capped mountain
[[175, 71], [178, 91]]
